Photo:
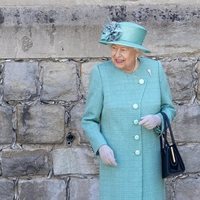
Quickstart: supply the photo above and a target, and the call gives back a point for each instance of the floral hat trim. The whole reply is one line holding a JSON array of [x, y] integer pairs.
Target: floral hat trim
[[111, 32]]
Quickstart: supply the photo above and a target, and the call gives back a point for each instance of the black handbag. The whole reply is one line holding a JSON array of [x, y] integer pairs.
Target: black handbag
[[172, 163]]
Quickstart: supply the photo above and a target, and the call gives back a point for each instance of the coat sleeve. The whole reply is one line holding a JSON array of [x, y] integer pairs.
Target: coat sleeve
[[92, 114], [166, 98]]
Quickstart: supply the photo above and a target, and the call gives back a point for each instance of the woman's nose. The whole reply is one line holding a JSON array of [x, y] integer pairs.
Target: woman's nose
[[118, 53]]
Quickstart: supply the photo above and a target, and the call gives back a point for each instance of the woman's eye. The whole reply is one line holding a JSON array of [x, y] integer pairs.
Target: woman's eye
[[123, 50]]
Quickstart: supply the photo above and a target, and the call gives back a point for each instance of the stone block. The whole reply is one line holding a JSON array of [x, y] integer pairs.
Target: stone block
[[169, 190], [190, 153], [197, 69], [89, 2], [40, 124], [86, 69], [42, 189], [6, 133], [51, 40], [59, 81], [87, 188], [75, 160], [74, 31], [25, 163], [186, 123], [187, 189], [7, 190], [180, 75], [20, 82], [75, 122]]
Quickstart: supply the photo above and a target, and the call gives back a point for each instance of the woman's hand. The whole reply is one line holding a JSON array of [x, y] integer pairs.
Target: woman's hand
[[150, 121], [107, 156]]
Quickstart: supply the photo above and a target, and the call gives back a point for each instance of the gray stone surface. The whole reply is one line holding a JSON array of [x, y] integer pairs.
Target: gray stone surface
[[59, 81], [7, 189], [42, 189], [25, 163], [186, 123], [67, 161], [20, 82], [85, 74], [43, 32], [40, 123], [197, 69], [84, 189], [188, 189], [190, 153], [75, 122], [180, 75], [90, 2], [169, 189], [6, 133]]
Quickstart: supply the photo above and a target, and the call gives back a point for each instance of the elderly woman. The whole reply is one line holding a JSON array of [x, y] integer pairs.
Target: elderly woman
[[122, 116]]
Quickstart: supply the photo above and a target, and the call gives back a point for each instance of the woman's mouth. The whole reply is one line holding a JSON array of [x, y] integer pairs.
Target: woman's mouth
[[119, 61]]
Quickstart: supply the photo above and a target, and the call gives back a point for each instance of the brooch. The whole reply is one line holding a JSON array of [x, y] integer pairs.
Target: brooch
[[149, 71]]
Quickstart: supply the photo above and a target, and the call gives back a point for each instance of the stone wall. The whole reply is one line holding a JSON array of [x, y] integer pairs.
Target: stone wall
[[46, 56]]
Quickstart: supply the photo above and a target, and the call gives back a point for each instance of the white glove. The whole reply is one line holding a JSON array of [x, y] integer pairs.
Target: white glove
[[107, 156], [150, 121]]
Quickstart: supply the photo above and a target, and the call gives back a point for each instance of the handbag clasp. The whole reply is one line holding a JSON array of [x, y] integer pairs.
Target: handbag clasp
[[173, 156]]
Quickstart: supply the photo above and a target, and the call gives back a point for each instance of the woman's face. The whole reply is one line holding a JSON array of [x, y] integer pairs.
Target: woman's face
[[124, 57]]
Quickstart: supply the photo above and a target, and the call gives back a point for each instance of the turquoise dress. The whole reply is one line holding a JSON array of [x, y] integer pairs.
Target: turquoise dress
[[115, 104]]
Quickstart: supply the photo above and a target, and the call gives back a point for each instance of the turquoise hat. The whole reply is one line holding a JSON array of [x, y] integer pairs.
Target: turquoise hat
[[125, 34]]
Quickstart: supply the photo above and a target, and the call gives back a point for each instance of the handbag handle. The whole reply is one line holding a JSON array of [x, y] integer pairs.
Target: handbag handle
[[167, 126]]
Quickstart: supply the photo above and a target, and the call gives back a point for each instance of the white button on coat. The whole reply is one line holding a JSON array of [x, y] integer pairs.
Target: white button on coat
[[141, 81], [137, 152], [137, 137], [135, 121], [135, 106]]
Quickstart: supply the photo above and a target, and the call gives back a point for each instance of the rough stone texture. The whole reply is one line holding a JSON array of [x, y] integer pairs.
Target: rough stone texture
[[186, 123], [67, 161], [169, 189], [7, 189], [59, 81], [75, 122], [20, 82], [85, 73], [190, 153], [74, 31], [6, 133], [42, 189], [180, 73], [40, 124], [95, 2], [23, 163], [188, 189], [84, 189], [197, 69]]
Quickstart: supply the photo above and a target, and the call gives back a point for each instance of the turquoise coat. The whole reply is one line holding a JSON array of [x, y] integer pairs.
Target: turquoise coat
[[115, 104]]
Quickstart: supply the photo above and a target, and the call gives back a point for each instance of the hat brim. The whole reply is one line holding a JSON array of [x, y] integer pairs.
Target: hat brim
[[127, 44]]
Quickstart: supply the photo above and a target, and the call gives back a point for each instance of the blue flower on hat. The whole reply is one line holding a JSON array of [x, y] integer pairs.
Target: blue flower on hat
[[111, 32]]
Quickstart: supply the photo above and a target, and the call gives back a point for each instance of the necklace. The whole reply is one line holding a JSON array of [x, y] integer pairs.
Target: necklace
[[136, 64]]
